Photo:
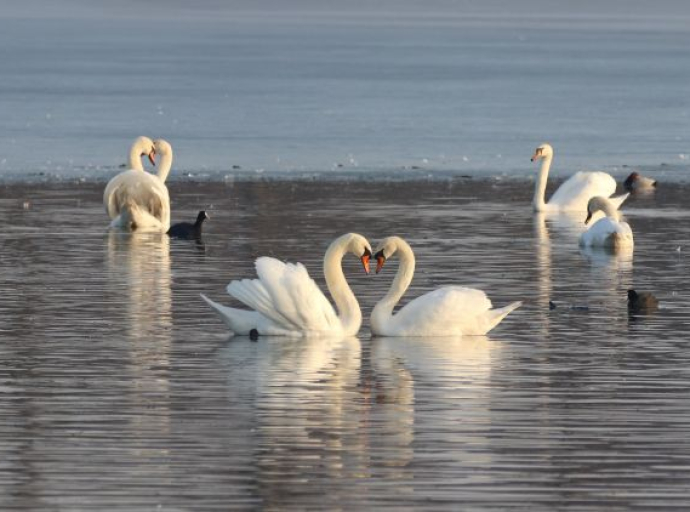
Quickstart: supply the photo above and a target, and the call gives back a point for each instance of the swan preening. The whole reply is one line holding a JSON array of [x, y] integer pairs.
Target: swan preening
[[137, 200], [285, 301], [609, 232], [575, 192], [447, 311]]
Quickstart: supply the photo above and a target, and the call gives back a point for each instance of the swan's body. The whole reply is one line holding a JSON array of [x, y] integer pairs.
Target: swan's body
[[575, 192], [137, 200], [609, 232], [287, 302], [448, 311]]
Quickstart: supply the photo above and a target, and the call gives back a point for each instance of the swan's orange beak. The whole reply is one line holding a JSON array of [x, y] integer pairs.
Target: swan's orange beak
[[535, 156], [365, 260], [152, 157], [380, 260], [589, 217]]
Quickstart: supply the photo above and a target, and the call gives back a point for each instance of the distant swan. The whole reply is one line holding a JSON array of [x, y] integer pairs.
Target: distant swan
[[447, 311], [609, 232], [287, 302], [137, 200], [576, 191]]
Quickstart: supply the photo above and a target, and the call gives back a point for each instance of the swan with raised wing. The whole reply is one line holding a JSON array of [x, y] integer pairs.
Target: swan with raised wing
[[574, 193], [609, 232], [136, 199], [447, 311], [285, 301]]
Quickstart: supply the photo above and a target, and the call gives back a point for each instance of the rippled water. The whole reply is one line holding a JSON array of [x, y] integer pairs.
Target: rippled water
[[121, 390]]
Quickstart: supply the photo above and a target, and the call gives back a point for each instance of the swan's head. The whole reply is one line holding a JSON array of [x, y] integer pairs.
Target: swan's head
[[144, 146], [386, 249], [543, 151], [162, 147], [594, 205], [357, 245]]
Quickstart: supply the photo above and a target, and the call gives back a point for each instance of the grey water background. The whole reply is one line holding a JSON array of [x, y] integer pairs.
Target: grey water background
[[121, 390], [344, 88]]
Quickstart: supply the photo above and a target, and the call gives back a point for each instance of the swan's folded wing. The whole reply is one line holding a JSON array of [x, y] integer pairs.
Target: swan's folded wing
[[296, 296], [447, 308], [252, 293], [575, 192]]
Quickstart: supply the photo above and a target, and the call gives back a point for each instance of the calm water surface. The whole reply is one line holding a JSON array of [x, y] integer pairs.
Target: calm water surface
[[121, 390]]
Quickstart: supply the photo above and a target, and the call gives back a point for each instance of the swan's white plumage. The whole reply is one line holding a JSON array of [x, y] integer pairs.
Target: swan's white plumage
[[135, 199], [447, 311], [576, 191], [286, 301], [287, 295], [608, 233]]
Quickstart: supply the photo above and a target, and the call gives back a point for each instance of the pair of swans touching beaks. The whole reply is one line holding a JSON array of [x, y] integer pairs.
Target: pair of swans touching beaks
[[285, 301], [136, 199], [585, 191]]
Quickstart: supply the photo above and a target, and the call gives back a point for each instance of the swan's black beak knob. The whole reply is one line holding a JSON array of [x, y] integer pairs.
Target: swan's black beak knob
[[365, 259], [380, 260]]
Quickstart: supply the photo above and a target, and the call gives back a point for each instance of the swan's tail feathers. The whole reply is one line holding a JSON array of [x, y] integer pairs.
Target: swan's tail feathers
[[619, 200], [253, 294], [239, 321], [494, 317]]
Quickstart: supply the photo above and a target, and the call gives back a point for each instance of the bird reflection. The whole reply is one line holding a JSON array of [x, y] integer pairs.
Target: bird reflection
[[413, 374], [140, 278], [304, 388]]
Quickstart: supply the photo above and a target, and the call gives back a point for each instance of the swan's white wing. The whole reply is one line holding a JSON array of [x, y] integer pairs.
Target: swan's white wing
[[296, 296], [580, 188], [253, 294], [450, 310]]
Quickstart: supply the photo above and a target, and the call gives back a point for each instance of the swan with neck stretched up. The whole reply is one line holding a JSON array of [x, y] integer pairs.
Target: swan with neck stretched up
[[285, 301], [447, 311], [609, 232], [136, 199], [575, 192]]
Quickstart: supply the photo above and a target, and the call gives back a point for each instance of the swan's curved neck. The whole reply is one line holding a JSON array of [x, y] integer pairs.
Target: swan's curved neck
[[383, 311], [609, 210], [345, 301], [135, 158], [538, 202], [165, 165]]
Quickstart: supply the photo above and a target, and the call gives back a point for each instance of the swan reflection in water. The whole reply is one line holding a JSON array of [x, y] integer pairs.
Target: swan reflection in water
[[307, 412], [440, 386], [140, 284]]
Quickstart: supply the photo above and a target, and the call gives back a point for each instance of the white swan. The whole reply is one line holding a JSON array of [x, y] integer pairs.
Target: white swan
[[448, 311], [609, 232], [574, 193], [137, 200], [287, 302]]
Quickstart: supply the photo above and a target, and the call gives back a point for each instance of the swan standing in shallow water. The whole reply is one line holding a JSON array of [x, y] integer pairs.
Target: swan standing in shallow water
[[137, 200], [609, 232], [574, 193], [287, 302], [448, 311]]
